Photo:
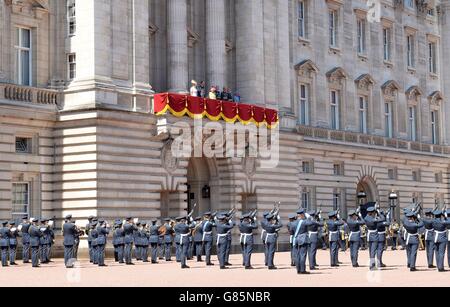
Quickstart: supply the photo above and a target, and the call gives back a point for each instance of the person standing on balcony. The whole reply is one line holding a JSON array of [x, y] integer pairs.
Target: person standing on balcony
[[237, 97], [201, 90], [194, 90], [212, 93]]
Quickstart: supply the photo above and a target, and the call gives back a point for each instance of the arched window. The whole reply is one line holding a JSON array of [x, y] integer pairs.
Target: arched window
[[390, 92], [306, 73], [413, 98], [337, 86], [364, 85], [435, 100]]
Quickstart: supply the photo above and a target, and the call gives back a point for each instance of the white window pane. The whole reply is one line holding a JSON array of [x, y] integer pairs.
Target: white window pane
[[26, 38], [25, 67]]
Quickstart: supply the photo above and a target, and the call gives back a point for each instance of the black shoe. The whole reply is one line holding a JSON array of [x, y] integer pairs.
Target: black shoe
[[273, 268], [227, 263], [13, 263], [223, 268], [249, 268], [155, 262], [431, 267], [169, 260], [382, 265], [121, 262], [130, 263], [185, 267], [313, 269], [413, 269], [26, 262], [210, 264], [102, 265], [304, 273], [442, 270]]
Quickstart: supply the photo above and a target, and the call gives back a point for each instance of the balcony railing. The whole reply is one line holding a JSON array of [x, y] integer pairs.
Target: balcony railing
[[27, 94], [371, 140]]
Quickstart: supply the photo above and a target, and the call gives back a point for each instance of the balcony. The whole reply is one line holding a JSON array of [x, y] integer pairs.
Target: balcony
[[31, 95], [370, 140]]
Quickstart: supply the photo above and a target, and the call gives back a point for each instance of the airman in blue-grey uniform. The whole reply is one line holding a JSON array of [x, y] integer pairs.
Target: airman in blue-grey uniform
[[35, 235], [89, 239], [24, 226], [118, 241], [302, 239], [313, 234], [168, 236], [381, 228], [412, 224], [207, 236], [440, 225], [13, 242], [178, 251], [161, 249], [129, 229], [4, 242], [182, 232], [137, 242], [154, 240], [264, 222], [94, 234], [191, 247], [69, 233], [103, 231], [333, 225], [145, 236], [429, 237], [272, 227], [197, 235], [354, 223], [292, 219], [223, 227], [246, 227], [45, 241], [372, 221]]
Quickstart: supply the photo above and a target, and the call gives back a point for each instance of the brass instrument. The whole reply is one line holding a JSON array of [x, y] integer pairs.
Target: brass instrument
[[163, 229]]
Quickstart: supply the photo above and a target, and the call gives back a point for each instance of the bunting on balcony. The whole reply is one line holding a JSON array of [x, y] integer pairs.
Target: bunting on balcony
[[215, 110]]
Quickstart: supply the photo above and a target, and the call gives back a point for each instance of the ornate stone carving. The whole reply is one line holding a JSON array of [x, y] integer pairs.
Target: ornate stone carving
[[34, 8], [337, 76], [365, 82], [168, 160], [390, 89], [193, 38], [413, 93], [435, 98]]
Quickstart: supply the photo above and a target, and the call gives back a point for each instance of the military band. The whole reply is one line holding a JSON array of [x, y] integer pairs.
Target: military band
[[146, 240]]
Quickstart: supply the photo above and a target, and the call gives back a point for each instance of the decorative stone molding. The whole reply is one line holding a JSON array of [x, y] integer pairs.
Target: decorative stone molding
[[249, 166], [435, 98], [365, 82], [229, 46], [306, 68], [390, 89], [33, 8], [153, 29], [337, 76], [414, 93], [193, 38], [168, 160]]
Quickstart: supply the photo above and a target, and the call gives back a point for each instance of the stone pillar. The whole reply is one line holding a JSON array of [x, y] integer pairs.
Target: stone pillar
[[2, 34], [141, 46], [250, 51], [445, 47], [177, 46], [215, 43], [283, 57]]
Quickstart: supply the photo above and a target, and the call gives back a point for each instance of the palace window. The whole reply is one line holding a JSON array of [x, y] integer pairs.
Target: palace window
[[71, 17], [23, 56], [338, 169], [392, 173], [335, 114], [416, 175], [72, 66], [20, 199], [302, 14], [307, 167], [438, 177], [410, 50], [435, 127], [387, 43], [409, 4], [361, 29], [336, 199], [333, 27], [432, 58], [412, 119], [23, 145], [363, 113], [306, 199], [388, 120], [304, 105]]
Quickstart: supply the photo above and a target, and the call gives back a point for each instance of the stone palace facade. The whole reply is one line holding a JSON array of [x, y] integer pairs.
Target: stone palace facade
[[361, 86]]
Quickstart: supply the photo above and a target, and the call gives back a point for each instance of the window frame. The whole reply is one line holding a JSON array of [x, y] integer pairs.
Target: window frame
[[412, 122], [18, 53], [388, 119], [28, 199], [361, 26], [69, 66], [71, 19], [304, 112], [302, 11], [333, 24], [363, 114], [335, 105]]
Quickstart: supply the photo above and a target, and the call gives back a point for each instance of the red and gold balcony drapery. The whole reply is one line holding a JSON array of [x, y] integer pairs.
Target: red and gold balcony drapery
[[197, 108]]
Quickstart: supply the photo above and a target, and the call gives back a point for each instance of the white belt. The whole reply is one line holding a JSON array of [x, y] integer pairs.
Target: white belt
[[245, 236], [182, 236], [353, 233], [205, 233], [291, 239], [312, 232], [369, 232], [332, 232], [448, 235], [269, 234], [262, 234], [409, 235], [436, 235], [382, 232], [219, 235], [427, 231]]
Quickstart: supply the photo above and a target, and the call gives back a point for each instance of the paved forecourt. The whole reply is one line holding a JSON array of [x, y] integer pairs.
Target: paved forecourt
[[170, 275]]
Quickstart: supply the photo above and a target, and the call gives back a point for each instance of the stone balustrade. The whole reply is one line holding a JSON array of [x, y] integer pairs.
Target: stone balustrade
[[27, 94], [371, 140]]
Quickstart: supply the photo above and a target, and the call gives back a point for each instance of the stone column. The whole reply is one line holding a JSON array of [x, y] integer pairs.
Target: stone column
[[445, 54], [283, 57], [177, 46], [215, 43], [250, 51]]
